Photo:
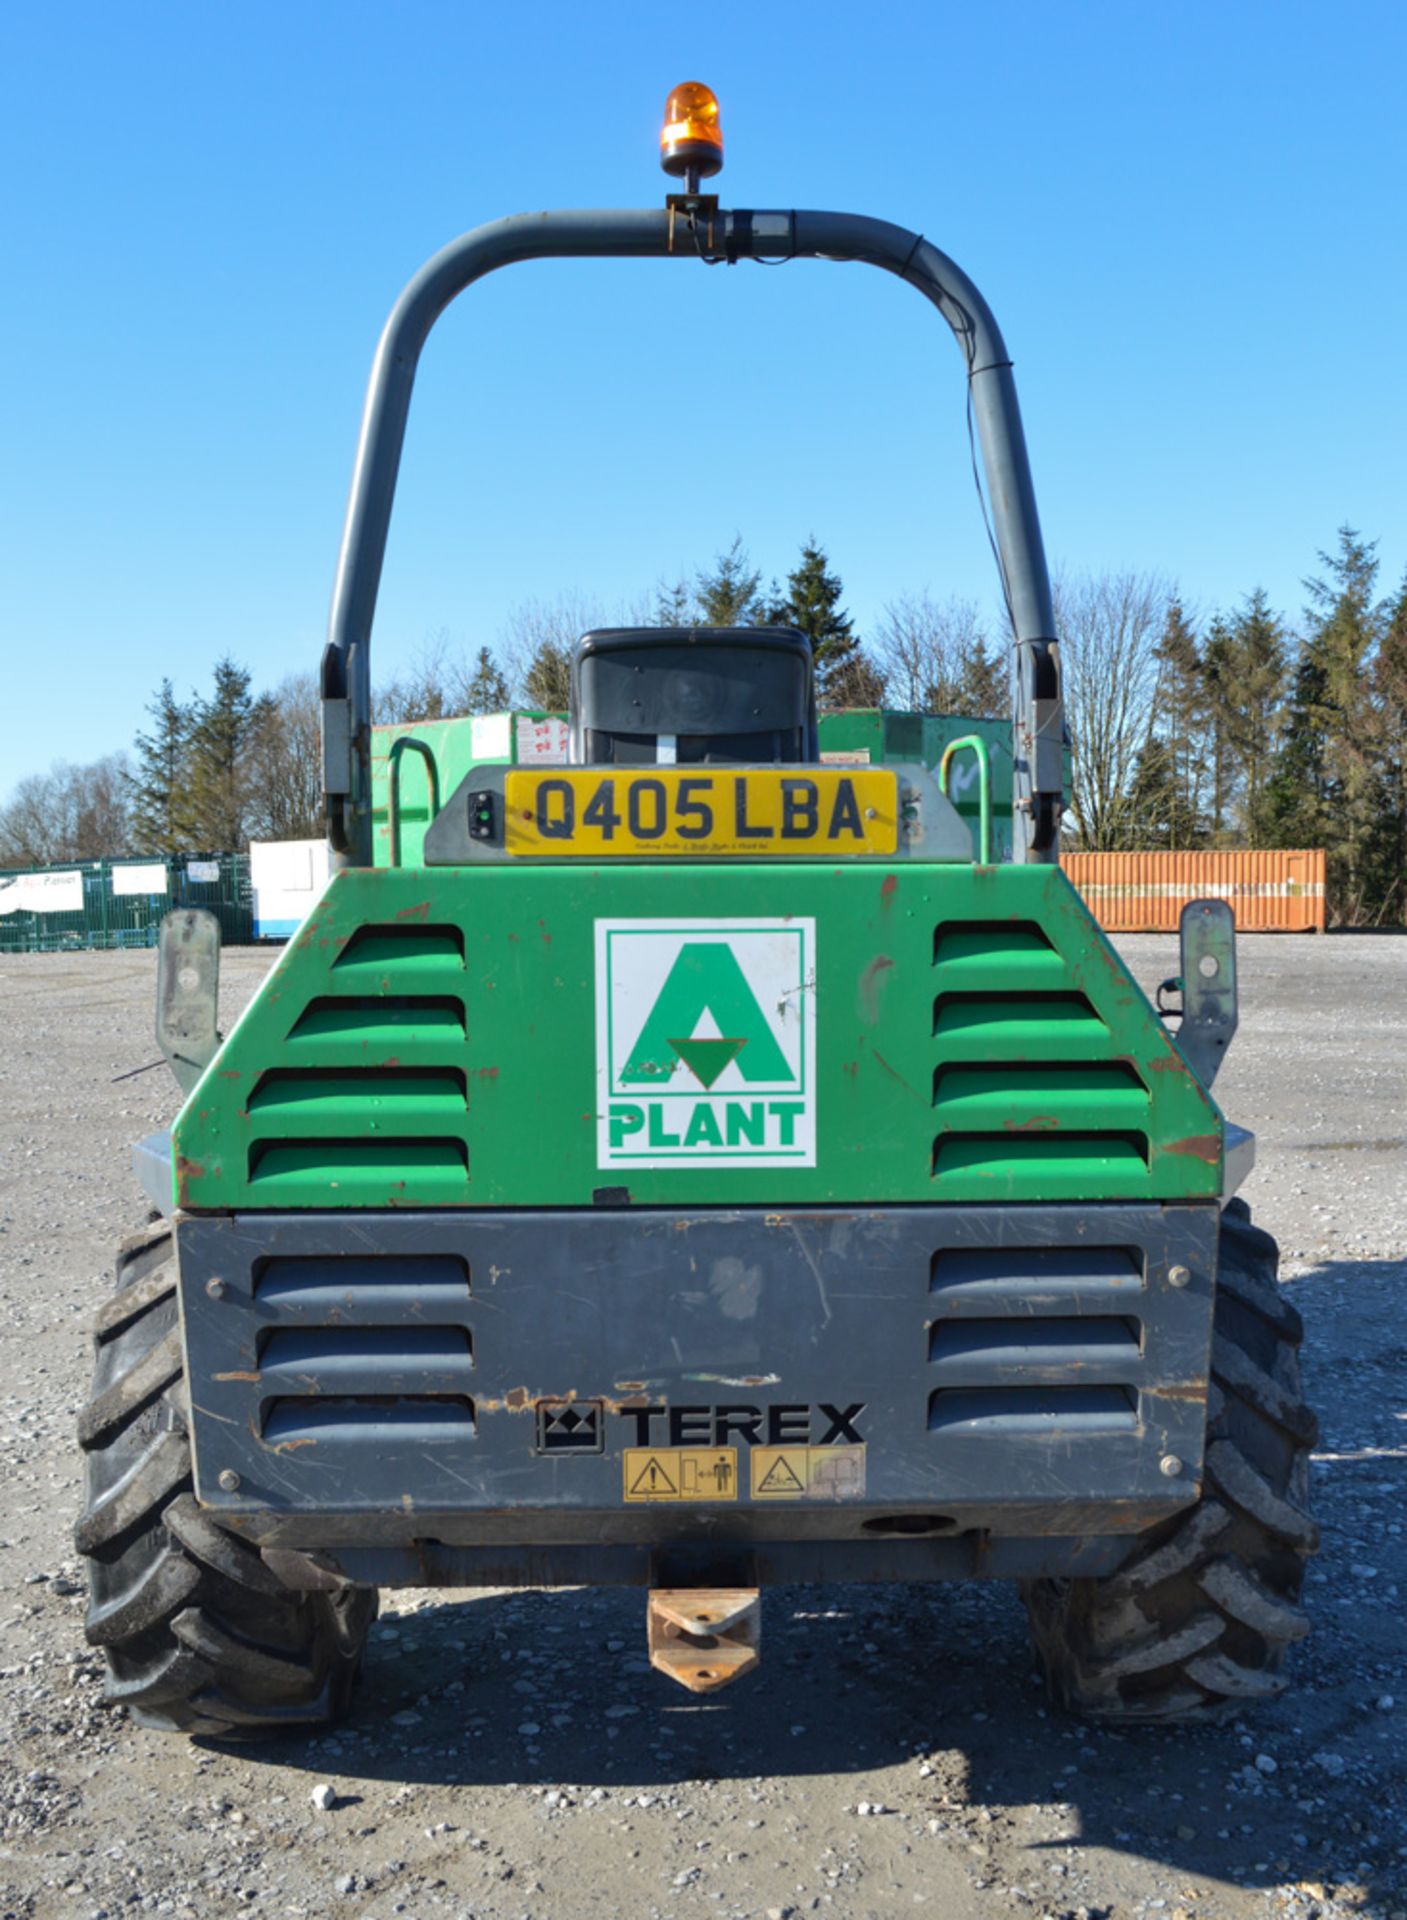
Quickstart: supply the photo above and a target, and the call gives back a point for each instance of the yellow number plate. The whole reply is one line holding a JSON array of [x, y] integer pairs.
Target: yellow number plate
[[673, 812]]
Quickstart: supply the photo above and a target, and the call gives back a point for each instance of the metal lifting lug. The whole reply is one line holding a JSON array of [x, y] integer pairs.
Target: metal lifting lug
[[703, 1637]]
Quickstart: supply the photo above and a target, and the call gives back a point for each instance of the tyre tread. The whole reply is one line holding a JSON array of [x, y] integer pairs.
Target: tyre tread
[[199, 1635], [1196, 1623]]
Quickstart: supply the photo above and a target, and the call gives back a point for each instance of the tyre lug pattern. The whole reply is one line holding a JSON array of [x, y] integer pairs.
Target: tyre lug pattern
[[1237, 1591], [101, 1418], [1222, 1675], [164, 1471], [199, 1635], [1240, 1483], [1216, 1591]]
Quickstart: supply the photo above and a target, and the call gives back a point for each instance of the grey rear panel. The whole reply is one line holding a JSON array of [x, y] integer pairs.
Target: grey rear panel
[[494, 1388]]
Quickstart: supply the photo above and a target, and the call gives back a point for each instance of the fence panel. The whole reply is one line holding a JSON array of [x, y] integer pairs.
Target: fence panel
[[122, 901]]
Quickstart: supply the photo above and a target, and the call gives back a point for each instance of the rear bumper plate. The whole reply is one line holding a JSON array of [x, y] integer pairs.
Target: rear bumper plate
[[638, 1376]]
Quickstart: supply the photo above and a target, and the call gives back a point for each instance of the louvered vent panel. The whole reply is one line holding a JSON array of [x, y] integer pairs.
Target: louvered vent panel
[[359, 1024], [1027, 1096], [378, 1098], [383, 956], [1032, 1412], [352, 1349], [1039, 1341]]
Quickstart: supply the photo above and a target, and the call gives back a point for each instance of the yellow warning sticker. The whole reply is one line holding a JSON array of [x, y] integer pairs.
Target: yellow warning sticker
[[808, 1473], [681, 1473]]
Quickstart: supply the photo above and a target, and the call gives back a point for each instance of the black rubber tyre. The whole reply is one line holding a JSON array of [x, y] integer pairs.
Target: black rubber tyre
[[198, 1635], [1197, 1622]]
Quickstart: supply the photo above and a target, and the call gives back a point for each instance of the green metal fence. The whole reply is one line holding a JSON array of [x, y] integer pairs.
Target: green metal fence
[[118, 903]]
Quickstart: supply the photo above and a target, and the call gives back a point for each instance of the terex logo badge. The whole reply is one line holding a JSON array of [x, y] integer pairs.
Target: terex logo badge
[[706, 1043]]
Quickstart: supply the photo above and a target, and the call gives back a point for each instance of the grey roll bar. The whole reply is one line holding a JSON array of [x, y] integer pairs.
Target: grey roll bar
[[724, 236]]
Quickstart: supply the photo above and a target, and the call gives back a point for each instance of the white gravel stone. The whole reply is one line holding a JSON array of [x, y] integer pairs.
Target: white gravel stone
[[323, 1797]]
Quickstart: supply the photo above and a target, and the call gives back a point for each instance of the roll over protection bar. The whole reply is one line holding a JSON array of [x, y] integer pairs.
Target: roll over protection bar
[[721, 236]]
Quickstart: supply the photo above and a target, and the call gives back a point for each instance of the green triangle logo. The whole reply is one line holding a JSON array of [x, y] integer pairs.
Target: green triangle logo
[[706, 979], [706, 1059]]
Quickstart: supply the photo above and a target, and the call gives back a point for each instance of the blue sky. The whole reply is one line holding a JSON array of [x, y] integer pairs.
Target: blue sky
[[1188, 219]]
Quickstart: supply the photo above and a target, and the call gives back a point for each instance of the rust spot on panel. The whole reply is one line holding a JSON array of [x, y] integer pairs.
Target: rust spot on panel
[[420, 911], [546, 937], [1038, 1123], [255, 1377], [1170, 1062], [888, 887], [872, 982], [292, 1446], [523, 1400], [231, 1073], [188, 1172], [1198, 1146], [893, 1072], [489, 1073]]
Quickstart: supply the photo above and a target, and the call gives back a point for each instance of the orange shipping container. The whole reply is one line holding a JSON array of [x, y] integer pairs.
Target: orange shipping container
[[1145, 892]]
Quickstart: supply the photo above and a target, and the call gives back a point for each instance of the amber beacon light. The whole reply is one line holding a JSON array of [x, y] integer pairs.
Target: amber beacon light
[[691, 142]]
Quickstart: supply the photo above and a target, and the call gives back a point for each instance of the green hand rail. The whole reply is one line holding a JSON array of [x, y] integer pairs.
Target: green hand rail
[[399, 749], [976, 744]]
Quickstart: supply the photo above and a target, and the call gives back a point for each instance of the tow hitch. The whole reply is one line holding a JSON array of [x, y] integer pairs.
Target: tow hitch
[[703, 1637]]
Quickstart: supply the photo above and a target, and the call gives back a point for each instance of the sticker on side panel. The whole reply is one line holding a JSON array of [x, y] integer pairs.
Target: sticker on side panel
[[706, 1043], [681, 1473], [808, 1473]]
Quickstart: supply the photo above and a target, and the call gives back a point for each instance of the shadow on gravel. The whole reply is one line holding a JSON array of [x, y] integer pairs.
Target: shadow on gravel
[[552, 1690]]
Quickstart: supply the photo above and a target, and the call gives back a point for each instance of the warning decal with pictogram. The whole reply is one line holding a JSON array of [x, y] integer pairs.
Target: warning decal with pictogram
[[681, 1473], [808, 1473], [781, 1477]]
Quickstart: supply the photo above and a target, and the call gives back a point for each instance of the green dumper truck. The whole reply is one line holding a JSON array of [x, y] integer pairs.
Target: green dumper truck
[[695, 1146]]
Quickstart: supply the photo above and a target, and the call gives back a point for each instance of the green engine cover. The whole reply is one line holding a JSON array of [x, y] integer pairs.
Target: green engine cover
[[696, 1035]]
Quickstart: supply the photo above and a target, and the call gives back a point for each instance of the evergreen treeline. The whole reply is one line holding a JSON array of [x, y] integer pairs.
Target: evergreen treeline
[[1230, 730], [1247, 735]]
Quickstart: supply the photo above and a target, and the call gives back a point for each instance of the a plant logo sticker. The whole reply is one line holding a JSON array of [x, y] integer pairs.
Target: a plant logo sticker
[[706, 1043]]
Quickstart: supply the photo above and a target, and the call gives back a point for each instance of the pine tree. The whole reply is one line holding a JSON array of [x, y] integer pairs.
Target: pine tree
[[1219, 680], [1334, 715], [812, 606], [219, 771], [855, 682], [983, 689], [726, 596], [486, 690], [1388, 852], [1156, 801], [1180, 720], [159, 790], [547, 682], [674, 604], [1296, 798], [1253, 701]]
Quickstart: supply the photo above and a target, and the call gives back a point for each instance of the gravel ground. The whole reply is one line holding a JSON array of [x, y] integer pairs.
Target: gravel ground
[[511, 1755]]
